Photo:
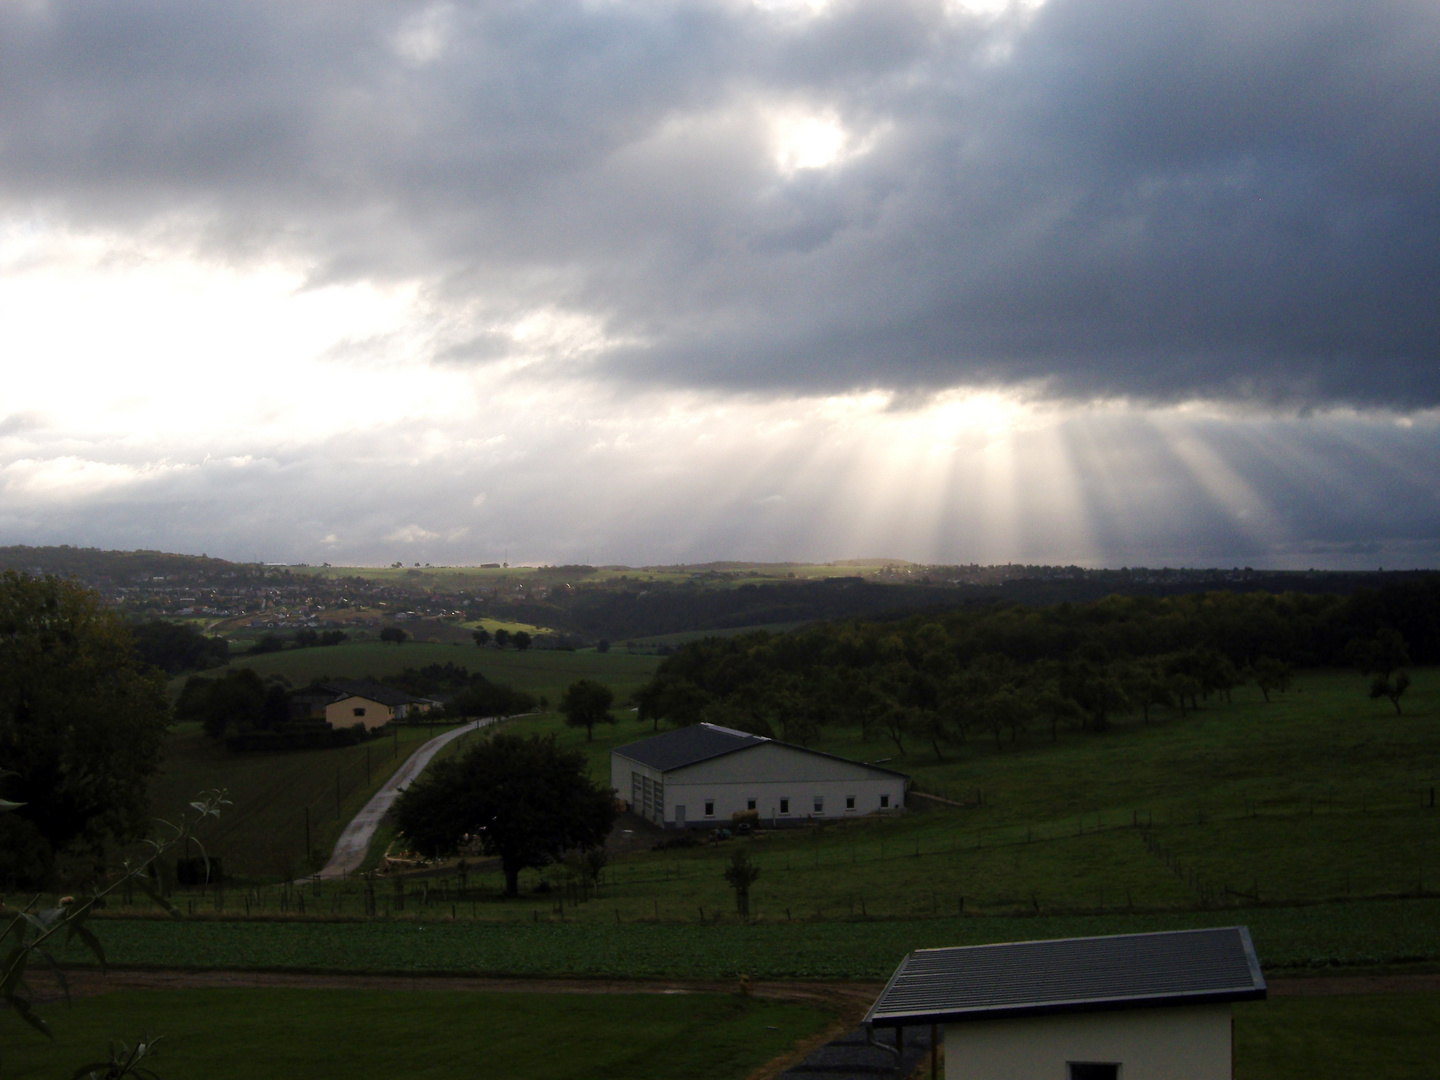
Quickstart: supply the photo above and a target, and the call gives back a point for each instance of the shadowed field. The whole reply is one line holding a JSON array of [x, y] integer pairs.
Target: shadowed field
[[246, 1034]]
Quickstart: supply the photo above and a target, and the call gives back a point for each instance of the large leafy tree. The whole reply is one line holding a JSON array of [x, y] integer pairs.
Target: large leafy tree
[[1383, 657], [526, 800], [82, 719], [587, 703]]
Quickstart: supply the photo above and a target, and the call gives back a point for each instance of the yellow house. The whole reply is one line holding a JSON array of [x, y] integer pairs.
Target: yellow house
[[371, 704], [1124, 1007]]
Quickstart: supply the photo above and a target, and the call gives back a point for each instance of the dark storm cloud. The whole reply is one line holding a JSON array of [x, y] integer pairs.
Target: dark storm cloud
[[1154, 199]]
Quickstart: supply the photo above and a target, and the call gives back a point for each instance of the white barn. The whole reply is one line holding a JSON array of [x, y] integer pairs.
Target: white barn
[[1125, 1007], [700, 776]]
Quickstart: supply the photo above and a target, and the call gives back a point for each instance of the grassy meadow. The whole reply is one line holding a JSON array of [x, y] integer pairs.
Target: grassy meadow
[[248, 1034], [440, 937], [1298, 1038], [1309, 815], [240, 1034], [538, 671], [1320, 794], [1308, 819], [262, 834]]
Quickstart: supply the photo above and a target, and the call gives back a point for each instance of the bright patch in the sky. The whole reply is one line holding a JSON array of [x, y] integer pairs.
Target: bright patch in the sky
[[129, 343], [807, 8], [801, 140], [424, 36], [994, 7]]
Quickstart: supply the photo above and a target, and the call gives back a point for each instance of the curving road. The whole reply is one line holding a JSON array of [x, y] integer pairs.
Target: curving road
[[350, 849]]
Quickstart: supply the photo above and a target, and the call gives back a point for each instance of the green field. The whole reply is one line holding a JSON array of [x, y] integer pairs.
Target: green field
[[242, 1034], [1310, 815], [1309, 819], [538, 671], [262, 834], [428, 940], [1319, 795], [1377, 1035]]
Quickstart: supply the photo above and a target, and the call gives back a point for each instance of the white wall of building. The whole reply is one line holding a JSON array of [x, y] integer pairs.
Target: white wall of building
[[642, 787], [784, 783], [1191, 1042]]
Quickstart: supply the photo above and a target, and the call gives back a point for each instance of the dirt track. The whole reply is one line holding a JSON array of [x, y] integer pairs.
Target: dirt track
[[87, 982]]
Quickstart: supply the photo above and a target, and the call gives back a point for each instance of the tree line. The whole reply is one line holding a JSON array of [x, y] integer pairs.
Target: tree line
[[943, 678]]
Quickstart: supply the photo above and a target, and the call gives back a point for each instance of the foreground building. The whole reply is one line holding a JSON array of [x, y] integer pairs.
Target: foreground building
[[703, 775], [1127, 1007]]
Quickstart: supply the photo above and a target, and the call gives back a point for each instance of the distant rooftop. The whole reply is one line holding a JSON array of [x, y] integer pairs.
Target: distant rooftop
[[373, 691], [687, 745], [1123, 971]]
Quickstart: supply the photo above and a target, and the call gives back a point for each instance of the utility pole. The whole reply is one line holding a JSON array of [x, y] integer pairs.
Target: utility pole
[[307, 833]]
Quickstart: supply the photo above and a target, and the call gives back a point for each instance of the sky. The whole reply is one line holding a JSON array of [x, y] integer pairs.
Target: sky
[[1096, 282]]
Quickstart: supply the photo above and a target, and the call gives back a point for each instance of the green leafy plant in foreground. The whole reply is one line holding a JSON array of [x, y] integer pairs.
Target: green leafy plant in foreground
[[31, 932]]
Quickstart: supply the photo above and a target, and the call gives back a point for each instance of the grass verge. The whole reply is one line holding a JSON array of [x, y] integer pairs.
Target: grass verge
[[1380, 1035], [1322, 936], [247, 1034]]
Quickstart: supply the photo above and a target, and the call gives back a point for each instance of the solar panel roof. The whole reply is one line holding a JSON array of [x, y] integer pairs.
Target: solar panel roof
[[1071, 975]]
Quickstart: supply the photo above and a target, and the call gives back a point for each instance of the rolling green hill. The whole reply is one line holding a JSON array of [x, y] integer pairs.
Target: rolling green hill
[[540, 672], [1321, 797], [1320, 794]]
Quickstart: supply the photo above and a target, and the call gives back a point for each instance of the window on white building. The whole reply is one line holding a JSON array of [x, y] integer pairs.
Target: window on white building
[[784, 806], [884, 801], [749, 804], [849, 802], [819, 804], [709, 807], [1093, 1070]]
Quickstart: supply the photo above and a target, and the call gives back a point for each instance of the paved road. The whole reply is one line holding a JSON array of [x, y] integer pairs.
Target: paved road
[[355, 840]]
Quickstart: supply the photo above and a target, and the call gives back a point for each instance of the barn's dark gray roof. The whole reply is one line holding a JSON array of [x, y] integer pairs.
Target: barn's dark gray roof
[[701, 742], [1070, 975], [687, 745]]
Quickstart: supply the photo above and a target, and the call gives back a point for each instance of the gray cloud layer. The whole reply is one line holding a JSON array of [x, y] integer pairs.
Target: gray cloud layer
[[1122, 489], [1159, 199]]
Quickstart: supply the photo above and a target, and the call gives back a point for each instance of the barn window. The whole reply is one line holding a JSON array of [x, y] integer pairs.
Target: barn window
[[884, 801], [849, 802], [1093, 1070], [749, 804], [784, 806], [709, 807], [819, 804], [359, 712]]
